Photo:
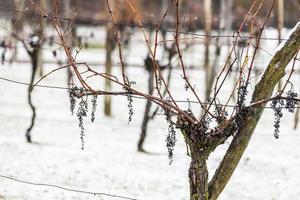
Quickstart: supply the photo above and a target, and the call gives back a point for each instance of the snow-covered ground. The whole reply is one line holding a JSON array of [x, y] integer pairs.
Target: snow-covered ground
[[110, 163]]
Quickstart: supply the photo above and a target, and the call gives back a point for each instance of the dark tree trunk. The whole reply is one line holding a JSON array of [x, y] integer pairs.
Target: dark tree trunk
[[34, 65], [200, 148], [198, 177], [147, 116], [147, 109]]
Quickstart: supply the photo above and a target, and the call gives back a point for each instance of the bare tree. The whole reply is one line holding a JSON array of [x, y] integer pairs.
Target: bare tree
[[148, 62], [33, 46], [148, 66], [147, 115], [263, 91], [109, 47], [200, 137], [17, 26], [32, 49]]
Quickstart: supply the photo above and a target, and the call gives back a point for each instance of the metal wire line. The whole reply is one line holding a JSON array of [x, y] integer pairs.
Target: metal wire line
[[136, 25], [125, 95], [64, 188], [27, 84]]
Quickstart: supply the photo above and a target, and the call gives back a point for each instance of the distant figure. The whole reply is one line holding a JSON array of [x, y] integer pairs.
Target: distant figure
[[3, 47]]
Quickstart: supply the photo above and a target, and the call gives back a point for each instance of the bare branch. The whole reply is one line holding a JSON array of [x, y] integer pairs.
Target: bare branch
[[263, 90]]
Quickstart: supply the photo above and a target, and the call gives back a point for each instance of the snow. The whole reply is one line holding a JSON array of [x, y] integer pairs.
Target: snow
[[282, 44], [110, 163]]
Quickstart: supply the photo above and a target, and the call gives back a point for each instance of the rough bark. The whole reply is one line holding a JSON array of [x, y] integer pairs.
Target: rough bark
[[201, 144], [198, 177], [263, 90], [199, 151]]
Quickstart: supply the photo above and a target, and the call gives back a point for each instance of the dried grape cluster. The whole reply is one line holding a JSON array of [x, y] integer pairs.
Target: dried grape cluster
[[278, 104], [82, 110], [220, 114], [242, 93], [171, 137], [81, 113], [204, 124], [290, 102], [94, 106], [130, 101], [74, 92], [130, 107]]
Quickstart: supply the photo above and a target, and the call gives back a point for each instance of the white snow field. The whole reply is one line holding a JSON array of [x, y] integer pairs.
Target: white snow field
[[110, 163]]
